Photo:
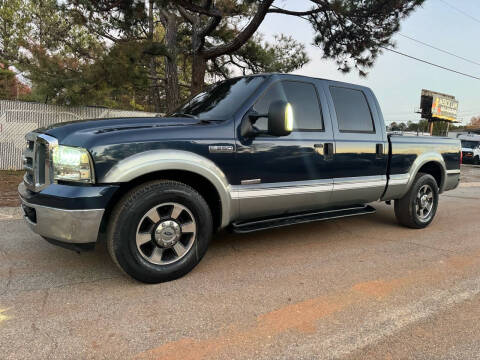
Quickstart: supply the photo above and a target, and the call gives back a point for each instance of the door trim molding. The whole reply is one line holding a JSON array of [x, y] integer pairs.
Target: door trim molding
[[360, 182], [239, 192], [280, 189]]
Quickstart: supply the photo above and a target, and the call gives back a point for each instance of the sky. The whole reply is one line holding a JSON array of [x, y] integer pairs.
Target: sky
[[396, 80]]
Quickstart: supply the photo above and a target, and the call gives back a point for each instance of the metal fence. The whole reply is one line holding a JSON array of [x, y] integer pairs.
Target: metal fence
[[18, 118]]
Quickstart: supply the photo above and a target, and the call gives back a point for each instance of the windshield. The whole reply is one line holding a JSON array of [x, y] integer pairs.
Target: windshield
[[220, 100], [468, 144]]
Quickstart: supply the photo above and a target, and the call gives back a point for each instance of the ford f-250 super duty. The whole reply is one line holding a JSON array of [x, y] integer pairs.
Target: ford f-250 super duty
[[249, 153]]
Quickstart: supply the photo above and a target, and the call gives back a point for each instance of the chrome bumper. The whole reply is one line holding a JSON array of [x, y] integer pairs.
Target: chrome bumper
[[68, 226], [452, 180]]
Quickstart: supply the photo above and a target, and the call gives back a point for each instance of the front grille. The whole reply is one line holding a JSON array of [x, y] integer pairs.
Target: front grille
[[36, 161]]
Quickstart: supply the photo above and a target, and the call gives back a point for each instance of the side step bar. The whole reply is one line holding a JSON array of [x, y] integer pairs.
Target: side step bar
[[299, 218]]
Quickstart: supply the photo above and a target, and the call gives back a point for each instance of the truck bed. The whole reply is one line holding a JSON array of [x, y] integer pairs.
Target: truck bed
[[405, 152]]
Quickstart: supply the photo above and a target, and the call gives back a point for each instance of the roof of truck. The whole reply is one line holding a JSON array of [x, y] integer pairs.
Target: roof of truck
[[301, 76]]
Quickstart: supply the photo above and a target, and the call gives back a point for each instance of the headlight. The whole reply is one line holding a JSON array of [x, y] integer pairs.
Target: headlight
[[72, 164]]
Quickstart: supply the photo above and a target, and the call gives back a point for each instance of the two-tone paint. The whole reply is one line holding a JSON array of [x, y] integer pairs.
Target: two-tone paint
[[254, 177]]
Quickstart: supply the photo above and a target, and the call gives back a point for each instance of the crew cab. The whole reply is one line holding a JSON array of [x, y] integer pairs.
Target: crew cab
[[250, 153]]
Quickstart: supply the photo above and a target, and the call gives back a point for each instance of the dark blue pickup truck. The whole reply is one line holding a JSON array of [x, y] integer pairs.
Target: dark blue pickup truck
[[250, 153]]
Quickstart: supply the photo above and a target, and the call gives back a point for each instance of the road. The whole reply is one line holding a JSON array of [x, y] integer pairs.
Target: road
[[350, 289]]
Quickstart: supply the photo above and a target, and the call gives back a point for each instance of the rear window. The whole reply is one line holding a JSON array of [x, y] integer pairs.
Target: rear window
[[353, 112]]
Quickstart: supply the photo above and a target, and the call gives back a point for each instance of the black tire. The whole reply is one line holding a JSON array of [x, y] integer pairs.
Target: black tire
[[476, 160], [406, 209], [126, 221]]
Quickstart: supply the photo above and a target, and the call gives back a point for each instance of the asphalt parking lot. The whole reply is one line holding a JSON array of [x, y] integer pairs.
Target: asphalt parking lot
[[354, 288]]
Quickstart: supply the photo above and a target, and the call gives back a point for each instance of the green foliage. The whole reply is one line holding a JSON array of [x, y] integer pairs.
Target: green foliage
[[439, 128], [13, 28], [257, 56], [118, 53], [353, 32], [114, 79], [68, 64], [104, 58], [7, 78]]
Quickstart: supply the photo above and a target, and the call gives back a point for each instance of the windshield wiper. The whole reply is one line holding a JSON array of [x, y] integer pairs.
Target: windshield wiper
[[184, 115]]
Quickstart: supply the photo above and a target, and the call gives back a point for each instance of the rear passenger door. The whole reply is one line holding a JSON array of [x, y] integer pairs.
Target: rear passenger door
[[360, 159]]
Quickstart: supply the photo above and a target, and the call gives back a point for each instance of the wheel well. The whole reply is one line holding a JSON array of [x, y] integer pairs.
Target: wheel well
[[435, 169], [197, 182]]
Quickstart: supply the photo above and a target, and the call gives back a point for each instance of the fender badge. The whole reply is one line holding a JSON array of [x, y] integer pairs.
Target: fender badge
[[251, 181], [220, 148]]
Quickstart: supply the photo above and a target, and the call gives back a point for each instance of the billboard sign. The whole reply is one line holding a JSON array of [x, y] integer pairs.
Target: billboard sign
[[437, 106]]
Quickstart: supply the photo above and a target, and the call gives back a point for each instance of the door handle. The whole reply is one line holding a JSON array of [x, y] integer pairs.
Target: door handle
[[379, 150], [324, 149], [329, 151]]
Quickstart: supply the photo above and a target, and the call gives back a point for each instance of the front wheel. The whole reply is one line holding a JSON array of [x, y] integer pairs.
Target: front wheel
[[159, 231], [476, 160], [419, 206]]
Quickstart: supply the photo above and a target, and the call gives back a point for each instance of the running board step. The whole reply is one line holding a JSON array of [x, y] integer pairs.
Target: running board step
[[299, 218]]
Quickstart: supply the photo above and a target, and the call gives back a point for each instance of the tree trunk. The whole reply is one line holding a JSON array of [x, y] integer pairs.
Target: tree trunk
[[5, 81], [154, 86], [199, 62], [199, 68], [172, 88]]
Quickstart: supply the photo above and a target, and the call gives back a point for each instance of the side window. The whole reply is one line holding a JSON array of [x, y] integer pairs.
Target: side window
[[304, 100], [353, 112]]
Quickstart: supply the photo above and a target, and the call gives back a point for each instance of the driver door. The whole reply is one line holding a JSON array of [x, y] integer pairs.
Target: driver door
[[279, 175]]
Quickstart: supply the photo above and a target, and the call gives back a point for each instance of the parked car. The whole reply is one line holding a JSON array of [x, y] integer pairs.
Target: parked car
[[470, 148], [250, 153]]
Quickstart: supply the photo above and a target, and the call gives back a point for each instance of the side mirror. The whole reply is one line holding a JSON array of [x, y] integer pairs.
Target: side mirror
[[280, 121], [280, 118]]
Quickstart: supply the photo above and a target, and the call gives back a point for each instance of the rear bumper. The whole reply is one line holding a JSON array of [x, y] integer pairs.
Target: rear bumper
[[66, 225], [452, 180]]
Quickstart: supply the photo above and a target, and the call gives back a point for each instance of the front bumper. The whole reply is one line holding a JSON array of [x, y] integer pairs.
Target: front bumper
[[69, 226], [66, 225]]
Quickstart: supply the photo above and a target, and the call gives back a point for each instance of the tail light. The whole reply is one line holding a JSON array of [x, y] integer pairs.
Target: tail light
[[461, 157]]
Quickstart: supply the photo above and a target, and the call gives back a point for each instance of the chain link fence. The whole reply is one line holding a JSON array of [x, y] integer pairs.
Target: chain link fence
[[18, 118]]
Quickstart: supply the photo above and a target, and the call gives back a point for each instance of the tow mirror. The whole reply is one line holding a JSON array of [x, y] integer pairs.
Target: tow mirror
[[280, 118], [280, 121]]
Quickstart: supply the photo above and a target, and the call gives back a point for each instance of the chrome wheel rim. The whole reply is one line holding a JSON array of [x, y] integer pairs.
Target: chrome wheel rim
[[424, 203], [166, 233]]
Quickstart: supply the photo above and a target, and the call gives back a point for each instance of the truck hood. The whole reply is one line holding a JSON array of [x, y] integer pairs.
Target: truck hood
[[90, 128]]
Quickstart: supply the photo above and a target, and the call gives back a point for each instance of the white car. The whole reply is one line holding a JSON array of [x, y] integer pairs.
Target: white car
[[476, 155], [471, 151]]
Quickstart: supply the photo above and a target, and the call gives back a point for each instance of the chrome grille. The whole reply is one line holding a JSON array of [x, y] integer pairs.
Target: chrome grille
[[36, 161]]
